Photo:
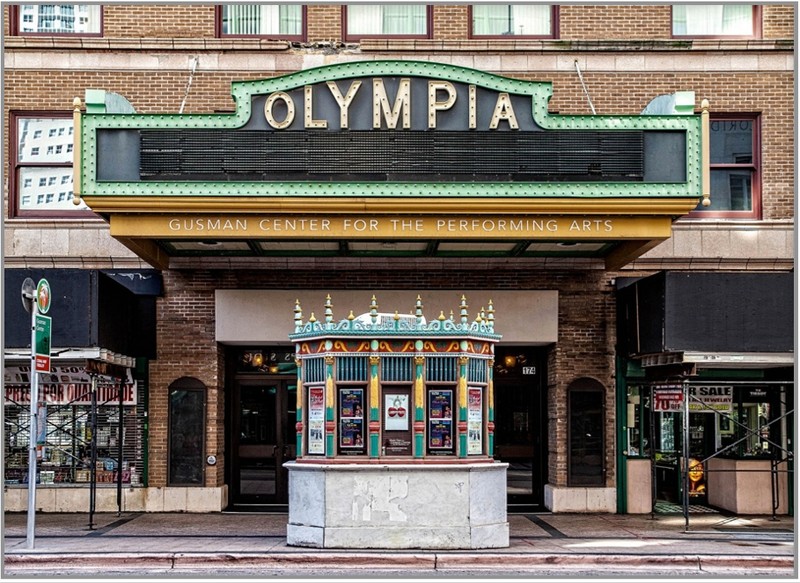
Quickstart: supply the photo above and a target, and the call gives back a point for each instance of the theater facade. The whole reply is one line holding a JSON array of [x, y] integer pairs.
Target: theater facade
[[377, 187]]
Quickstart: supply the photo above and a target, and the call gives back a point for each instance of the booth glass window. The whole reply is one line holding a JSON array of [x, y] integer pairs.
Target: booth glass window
[[441, 437], [316, 420], [714, 20], [474, 421], [384, 20], [522, 20], [352, 434], [397, 427], [279, 21], [41, 183], [56, 19], [187, 407]]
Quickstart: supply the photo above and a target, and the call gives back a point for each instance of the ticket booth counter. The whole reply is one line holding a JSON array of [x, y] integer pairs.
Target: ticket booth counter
[[395, 432]]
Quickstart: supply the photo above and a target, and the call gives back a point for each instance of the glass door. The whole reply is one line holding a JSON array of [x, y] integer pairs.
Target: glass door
[[521, 425], [262, 440]]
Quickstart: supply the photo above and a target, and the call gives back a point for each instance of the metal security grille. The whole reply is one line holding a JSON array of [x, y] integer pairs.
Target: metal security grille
[[397, 368], [441, 369], [351, 368], [314, 370], [67, 441], [221, 155]]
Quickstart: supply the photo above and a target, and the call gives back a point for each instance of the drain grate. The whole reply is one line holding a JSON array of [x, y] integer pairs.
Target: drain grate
[[670, 508]]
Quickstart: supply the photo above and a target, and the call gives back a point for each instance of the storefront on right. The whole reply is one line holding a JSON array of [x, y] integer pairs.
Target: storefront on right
[[706, 393]]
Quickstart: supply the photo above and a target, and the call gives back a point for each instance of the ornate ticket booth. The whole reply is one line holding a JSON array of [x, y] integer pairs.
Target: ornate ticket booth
[[395, 432]]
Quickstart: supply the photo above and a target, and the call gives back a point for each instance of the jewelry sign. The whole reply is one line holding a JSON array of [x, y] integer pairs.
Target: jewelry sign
[[396, 423], [396, 408]]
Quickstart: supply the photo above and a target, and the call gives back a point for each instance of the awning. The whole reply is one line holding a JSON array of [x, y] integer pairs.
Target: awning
[[141, 282]]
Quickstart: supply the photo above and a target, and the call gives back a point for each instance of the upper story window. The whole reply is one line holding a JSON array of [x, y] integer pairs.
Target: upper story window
[[715, 20], [56, 19], [525, 20], [382, 20], [41, 164], [283, 21], [735, 169]]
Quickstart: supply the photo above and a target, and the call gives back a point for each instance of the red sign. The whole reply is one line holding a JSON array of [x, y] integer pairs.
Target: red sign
[[73, 393], [42, 363], [667, 399]]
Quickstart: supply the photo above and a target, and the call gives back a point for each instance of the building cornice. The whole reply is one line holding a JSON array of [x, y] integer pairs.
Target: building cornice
[[558, 45], [373, 45]]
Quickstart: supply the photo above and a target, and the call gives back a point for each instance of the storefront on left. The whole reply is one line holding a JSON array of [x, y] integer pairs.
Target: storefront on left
[[91, 420]]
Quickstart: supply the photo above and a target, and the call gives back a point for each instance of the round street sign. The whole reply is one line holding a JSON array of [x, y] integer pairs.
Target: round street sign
[[43, 296], [28, 297]]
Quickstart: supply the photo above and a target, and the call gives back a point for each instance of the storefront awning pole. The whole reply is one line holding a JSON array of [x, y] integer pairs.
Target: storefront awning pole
[[652, 448], [93, 455], [685, 448], [119, 445]]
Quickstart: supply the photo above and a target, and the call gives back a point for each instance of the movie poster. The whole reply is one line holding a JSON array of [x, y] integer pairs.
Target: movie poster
[[440, 404], [440, 421], [316, 420], [351, 420], [474, 421]]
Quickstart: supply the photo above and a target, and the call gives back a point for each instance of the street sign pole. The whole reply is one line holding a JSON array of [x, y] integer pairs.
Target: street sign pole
[[34, 424], [36, 300]]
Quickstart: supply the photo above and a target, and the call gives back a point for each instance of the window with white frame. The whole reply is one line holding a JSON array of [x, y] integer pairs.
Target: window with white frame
[[364, 20], [57, 19], [35, 174], [735, 172], [713, 20], [283, 21], [512, 20]]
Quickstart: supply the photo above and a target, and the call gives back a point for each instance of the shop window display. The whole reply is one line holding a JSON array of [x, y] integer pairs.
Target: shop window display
[[64, 433]]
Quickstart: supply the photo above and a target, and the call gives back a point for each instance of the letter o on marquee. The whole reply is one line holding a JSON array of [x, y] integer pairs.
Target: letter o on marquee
[[279, 125]]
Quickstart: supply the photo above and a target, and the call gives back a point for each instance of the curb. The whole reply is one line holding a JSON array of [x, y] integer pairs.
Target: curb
[[415, 561]]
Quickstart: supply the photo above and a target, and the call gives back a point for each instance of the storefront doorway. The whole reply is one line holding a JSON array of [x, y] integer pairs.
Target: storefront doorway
[[521, 424], [262, 440]]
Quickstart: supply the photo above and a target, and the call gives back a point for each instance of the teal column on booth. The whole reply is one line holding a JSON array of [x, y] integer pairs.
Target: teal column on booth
[[490, 407], [374, 406], [462, 404], [330, 411], [419, 403], [299, 427]]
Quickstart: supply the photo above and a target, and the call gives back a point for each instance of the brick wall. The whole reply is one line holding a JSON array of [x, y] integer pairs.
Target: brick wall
[[450, 22], [158, 20], [615, 22], [586, 315], [778, 20], [163, 91], [576, 22]]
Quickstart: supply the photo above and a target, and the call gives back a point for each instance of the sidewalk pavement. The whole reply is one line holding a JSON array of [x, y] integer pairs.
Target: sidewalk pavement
[[714, 543]]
